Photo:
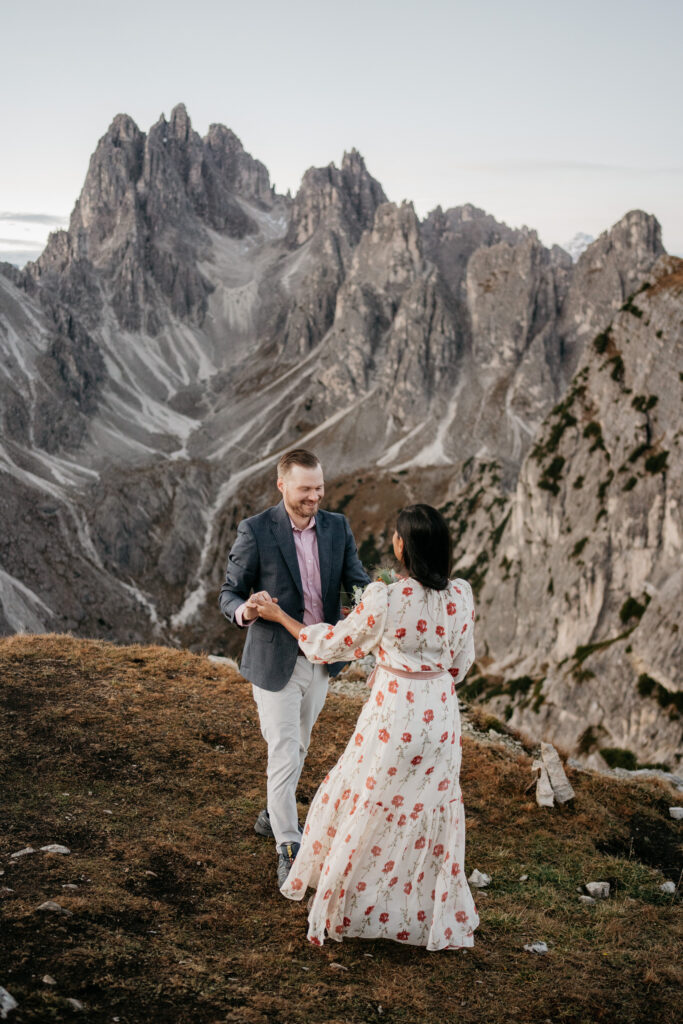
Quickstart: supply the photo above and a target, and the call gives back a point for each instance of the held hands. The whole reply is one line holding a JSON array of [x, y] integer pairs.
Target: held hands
[[251, 609], [270, 610]]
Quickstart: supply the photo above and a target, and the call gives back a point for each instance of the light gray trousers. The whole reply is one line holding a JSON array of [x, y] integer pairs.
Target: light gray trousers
[[287, 718]]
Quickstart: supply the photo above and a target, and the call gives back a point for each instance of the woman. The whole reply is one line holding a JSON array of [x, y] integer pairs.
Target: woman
[[384, 839]]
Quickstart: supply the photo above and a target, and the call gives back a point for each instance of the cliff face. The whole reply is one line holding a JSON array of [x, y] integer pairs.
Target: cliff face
[[584, 604], [192, 323]]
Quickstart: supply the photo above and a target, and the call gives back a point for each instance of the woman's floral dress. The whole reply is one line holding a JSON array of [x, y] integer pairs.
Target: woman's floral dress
[[384, 840]]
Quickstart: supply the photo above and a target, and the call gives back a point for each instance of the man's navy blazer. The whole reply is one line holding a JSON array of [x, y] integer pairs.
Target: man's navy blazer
[[263, 557]]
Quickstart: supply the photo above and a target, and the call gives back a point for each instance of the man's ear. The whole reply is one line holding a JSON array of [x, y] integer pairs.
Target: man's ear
[[281, 486]]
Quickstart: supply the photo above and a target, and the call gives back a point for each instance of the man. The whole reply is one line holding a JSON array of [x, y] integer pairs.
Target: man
[[300, 556]]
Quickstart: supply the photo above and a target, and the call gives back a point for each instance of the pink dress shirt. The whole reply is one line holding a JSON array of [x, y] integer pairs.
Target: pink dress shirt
[[306, 544]]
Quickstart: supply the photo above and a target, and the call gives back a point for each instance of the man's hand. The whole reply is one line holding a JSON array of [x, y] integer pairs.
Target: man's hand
[[251, 607], [270, 610]]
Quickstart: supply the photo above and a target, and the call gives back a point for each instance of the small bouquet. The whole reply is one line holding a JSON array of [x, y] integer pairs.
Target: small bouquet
[[383, 574]]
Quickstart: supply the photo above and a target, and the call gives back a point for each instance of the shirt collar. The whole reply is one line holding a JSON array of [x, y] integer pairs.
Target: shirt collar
[[311, 525]]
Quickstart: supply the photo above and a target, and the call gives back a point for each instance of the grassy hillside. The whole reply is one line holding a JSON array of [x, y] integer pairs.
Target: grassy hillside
[[148, 764]]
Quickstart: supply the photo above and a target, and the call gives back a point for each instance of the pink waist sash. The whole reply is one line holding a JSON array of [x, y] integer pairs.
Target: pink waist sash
[[410, 675]]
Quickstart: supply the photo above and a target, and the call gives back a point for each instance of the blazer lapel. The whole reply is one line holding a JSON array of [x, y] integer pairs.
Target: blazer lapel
[[282, 528], [324, 551]]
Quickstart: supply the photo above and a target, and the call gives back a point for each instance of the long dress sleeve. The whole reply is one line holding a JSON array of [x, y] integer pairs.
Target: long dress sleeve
[[353, 637], [464, 656]]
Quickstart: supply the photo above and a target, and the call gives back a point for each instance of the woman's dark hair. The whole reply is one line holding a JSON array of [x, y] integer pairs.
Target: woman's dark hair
[[426, 545]]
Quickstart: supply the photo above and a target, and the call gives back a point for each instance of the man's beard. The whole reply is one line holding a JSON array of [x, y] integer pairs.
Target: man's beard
[[305, 509]]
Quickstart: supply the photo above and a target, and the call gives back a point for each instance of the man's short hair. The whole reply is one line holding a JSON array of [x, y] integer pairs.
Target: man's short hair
[[297, 457]]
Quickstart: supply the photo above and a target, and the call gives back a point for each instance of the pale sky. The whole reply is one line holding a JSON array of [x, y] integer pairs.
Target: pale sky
[[559, 116]]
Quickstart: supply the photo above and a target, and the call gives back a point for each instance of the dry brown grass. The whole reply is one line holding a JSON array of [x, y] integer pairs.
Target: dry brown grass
[[177, 916]]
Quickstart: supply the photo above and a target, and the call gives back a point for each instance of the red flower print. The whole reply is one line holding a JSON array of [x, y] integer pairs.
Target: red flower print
[[402, 936], [461, 916], [432, 893], [384, 735], [297, 884], [440, 631], [359, 739], [416, 759], [407, 591], [408, 888], [307, 829], [444, 737], [388, 867], [341, 893], [429, 770], [348, 641], [393, 686], [330, 635], [421, 915], [428, 716], [457, 590], [339, 928], [361, 886], [406, 737], [347, 869], [391, 771], [425, 668], [371, 620], [443, 697], [370, 782], [393, 881], [328, 893], [418, 807], [400, 633], [410, 696], [315, 941], [443, 785], [438, 850], [420, 876], [421, 626], [402, 820], [455, 672], [384, 918], [473, 615], [317, 847], [331, 832], [444, 897], [369, 910], [347, 922], [420, 843], [346, 794], [397, 801], [390, 817], [358, 653], [455, 869], [464, 629], [303, 636], [325, 798], [376, 850], [450, 608], [379, 699], [360, 607], [448, 933]]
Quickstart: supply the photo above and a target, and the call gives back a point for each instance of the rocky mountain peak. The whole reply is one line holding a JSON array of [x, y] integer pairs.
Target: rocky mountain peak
[[340, 200]]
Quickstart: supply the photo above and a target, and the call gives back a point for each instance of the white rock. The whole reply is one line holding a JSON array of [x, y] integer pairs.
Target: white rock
[[218, 660], [22, 853], [55, 848], [479, 879], [48, 980], [76, 1004], [544, 790], [107, 812], [668, 887], [599, 890], [562, 789], [587, 901], [69, 885], [536, 947], [676, 813], [56, 908], [523, 878], [7, 1003]]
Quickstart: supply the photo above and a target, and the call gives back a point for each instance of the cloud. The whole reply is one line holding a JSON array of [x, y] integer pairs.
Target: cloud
[[48, 220]]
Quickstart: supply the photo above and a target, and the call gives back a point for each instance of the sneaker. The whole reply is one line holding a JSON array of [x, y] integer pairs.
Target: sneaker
[[262, 826], [285, 859]]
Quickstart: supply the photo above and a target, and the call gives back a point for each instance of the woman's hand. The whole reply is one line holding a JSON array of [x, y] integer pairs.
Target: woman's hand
[[270, 610]]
